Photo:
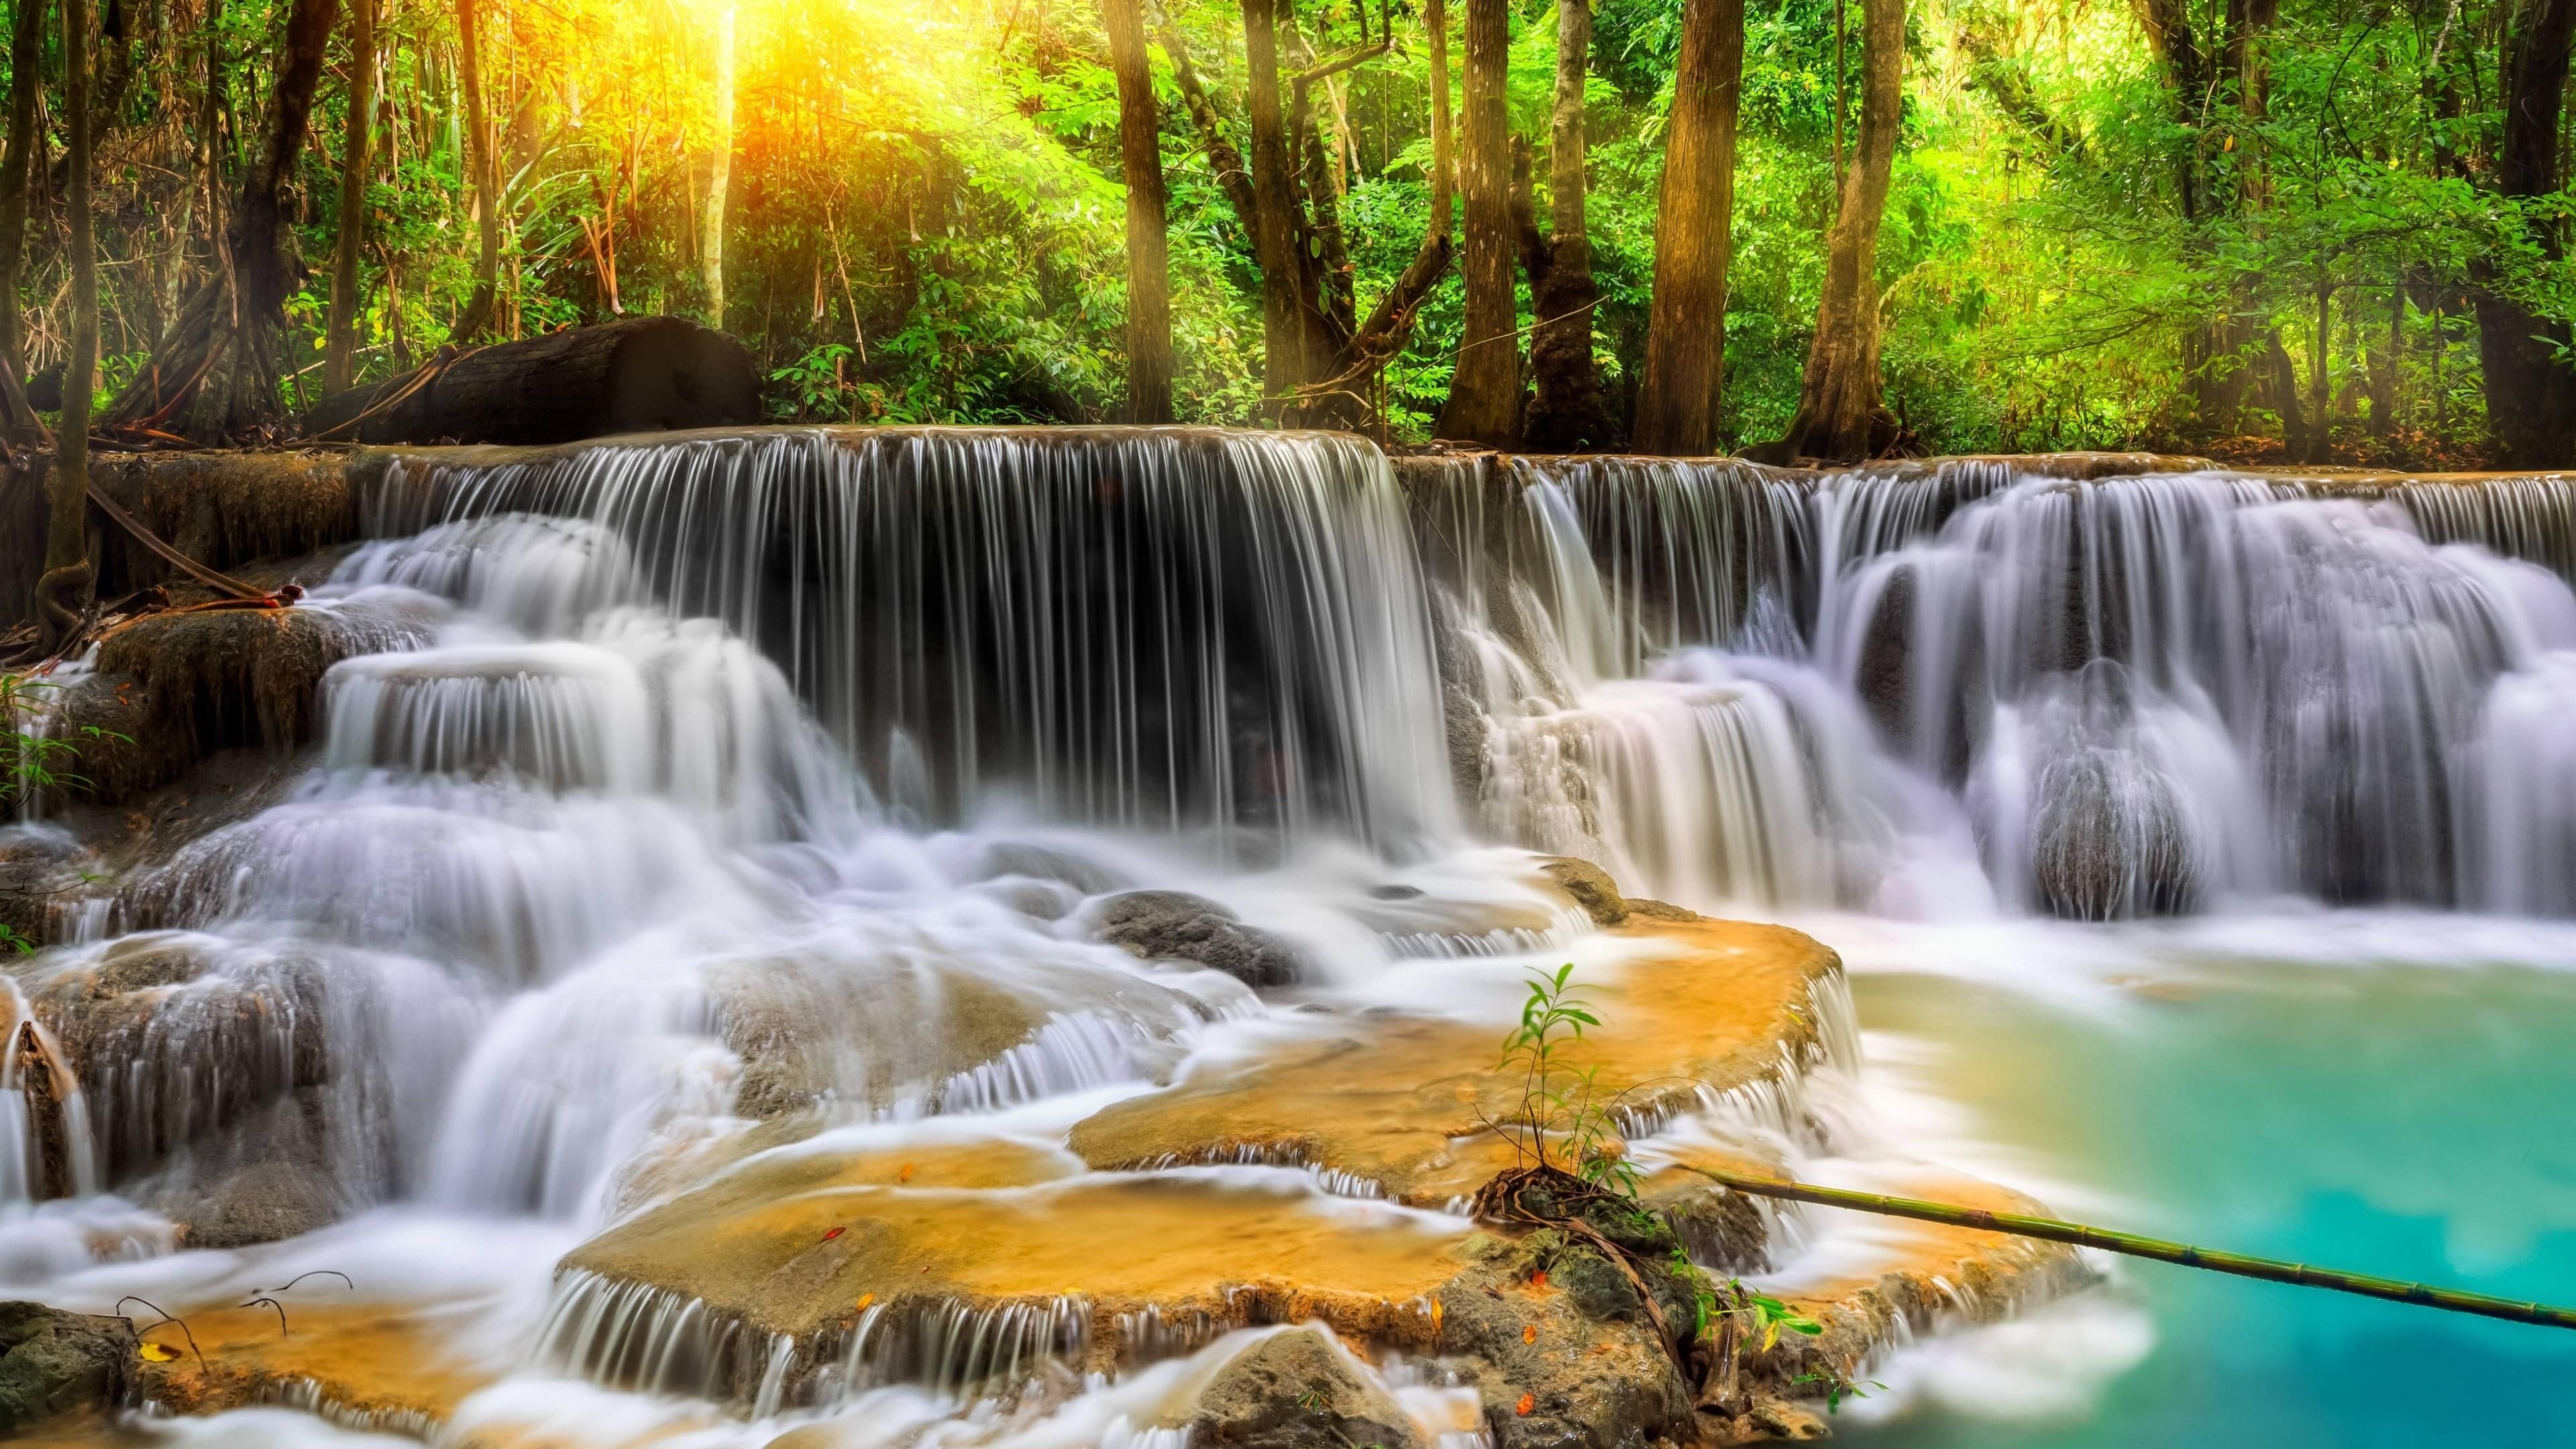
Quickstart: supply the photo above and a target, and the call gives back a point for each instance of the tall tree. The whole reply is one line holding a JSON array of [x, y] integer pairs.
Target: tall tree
[[1840, 415], [1285, 364], [2531, 386], [1149, 280], [720, 171], [216, 371], [1567, 410], [485, 168], [64, 588], [340, 346], [1485, 394], [26, 79], [1678, 403]]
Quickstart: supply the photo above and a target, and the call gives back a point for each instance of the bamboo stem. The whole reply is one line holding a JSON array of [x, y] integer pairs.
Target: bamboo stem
[[2270, 1270]]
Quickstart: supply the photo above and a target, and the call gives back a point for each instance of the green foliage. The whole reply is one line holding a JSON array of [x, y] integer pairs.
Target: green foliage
[[926, 217], [32, 762], [1563, 1120]]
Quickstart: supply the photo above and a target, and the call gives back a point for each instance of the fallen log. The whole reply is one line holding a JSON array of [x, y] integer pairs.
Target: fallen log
[[632, 375], [2242, 1265]]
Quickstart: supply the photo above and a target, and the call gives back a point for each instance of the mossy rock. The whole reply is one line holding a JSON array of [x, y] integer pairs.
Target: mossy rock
[[53, 1362]]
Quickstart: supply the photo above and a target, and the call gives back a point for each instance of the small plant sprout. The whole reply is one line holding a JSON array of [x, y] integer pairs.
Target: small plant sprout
[[1563, 1121]]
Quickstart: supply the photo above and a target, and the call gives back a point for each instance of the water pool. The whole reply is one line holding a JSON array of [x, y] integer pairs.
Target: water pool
[[2392, 1116]]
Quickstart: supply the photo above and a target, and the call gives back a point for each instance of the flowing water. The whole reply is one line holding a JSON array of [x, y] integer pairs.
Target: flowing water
[[2201, 846]]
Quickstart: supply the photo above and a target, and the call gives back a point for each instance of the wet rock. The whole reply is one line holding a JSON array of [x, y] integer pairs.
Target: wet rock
[[924, 1028], [1551, 1377], [52, 1362], [1590, 886], [272, 1179], [172, 688], [1294, 1391], [41, 870], [1178, 926], [2111, 835]]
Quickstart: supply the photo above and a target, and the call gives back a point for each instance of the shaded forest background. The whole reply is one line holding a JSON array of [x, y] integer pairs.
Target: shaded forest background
[[2273, 229]]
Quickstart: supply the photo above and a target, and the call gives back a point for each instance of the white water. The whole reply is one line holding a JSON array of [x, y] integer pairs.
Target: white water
[[828, 740]]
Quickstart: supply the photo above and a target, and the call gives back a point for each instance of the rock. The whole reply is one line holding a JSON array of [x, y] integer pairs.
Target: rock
[[1294, 1391], [1590, 886], [172, 688], [40, 867], [2111, 835], [52, 1362], [919, 1028], [1587, 1383], [274, 1180], [1178, 926]]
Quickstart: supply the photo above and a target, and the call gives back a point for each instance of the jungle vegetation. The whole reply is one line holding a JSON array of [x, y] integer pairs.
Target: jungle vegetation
[[2277, 230]]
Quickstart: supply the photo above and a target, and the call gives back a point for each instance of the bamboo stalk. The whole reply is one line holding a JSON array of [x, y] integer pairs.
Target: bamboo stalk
[[2271, 1270]]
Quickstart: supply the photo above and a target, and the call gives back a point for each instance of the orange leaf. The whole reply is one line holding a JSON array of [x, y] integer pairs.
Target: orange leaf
[[906, 1174], [834, 1233], [1527, 1406], [1529, 1333], [159, 1353], [865, 1299], [1539, 1279]]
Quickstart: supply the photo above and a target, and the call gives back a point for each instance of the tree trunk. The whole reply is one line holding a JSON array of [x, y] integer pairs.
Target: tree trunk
[[1678, 404], [1840, 416], [1149, 281], [633, 375], [485, 178], [18, 421], [1444, 140], [340, 347], [64, 590], [720, 172], [1485, 394], [1357, 356], [2321, 382], [215, 372], [1285, 364], [1567, 410], [2531, 393]]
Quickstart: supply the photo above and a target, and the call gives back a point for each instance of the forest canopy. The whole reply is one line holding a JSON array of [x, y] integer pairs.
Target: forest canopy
[[2277, 230]]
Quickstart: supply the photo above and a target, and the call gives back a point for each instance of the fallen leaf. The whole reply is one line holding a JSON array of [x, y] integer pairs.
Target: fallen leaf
[[1539, 1279], [865, 1299], [159, 1353], [906, 1174], [833, 1233], [1529, 1333], [1527, 1406], [1436, 1315]]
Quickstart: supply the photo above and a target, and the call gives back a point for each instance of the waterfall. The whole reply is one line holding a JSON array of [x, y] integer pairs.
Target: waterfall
[[2135, 693], [1172, 629]]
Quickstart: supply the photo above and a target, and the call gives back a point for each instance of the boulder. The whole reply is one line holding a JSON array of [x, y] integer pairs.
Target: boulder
[[40, 868], [52, 1362], [1295, 1391], [1178, 926], [1591, 887], [1549, 1375]]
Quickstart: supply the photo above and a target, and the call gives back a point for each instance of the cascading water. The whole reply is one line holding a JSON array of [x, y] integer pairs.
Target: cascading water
[[2138, 694], [1173, 630], [726, 796]]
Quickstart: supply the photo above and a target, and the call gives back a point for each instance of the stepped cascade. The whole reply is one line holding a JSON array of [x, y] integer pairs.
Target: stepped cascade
[[805, 923]]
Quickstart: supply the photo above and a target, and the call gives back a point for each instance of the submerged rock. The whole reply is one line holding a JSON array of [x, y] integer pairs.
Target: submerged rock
[[1294, 1391], [53, 1362], [1178, 926]]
